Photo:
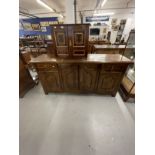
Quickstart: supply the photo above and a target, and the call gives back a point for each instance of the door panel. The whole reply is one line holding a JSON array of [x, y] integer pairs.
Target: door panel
[[50, 81], [108, 82], [69, 76], [60, 39], [88, 75], [78, 36]]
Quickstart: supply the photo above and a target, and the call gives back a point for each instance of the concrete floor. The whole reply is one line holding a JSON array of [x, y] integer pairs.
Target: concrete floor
[[67, 124]]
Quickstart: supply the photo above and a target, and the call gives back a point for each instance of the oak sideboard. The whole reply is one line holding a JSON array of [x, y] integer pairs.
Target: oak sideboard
[[98, 73]]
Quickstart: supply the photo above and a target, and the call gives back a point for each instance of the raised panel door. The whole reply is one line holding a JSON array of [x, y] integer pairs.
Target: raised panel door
[[25, 80], [108, 82], [60, 39], [78, 39], [88, 76], [69, 77], [50, 81]]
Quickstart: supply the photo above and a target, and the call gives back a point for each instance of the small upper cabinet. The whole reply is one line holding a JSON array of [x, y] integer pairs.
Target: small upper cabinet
[[70, 40]]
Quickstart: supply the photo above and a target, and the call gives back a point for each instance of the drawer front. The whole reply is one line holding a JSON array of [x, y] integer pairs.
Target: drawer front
[[113, 67], [46, 66], [90, 66]]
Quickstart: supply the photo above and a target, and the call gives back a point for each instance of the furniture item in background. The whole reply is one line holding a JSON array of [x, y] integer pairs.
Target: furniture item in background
[[127, 87], [130, 47], [70, 40], [120, 30], [25, 80], [98, 73], [109, 35], [36, 46], [26, 56], [109, 49], [97, 42]]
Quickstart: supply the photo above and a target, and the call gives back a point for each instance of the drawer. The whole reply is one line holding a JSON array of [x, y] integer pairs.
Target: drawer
[[46, 66], [113, 67], [118, 67], [89, 66], [106, 67]]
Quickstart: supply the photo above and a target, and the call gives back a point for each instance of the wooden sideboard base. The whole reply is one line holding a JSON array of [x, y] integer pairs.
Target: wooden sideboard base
[[96, 74], [80, 93]]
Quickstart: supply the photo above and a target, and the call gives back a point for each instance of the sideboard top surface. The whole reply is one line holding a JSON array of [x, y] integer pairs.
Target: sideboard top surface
[[109, 46], [91, 58]]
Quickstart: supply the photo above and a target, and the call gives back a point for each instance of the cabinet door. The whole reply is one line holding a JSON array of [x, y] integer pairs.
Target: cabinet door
[[78, 39], [69, 77], [88, 75], [50, 81], [60, 39], [108, 82]]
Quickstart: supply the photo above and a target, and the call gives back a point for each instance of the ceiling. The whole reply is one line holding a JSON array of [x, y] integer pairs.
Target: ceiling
[[86, 6]]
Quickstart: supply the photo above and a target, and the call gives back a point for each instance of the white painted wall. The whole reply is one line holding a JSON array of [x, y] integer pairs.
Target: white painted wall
[[69, 7], [130, 24]]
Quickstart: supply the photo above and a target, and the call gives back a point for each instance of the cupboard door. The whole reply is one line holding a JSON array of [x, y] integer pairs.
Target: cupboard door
[[50, 81], [78, 39], [60, 39], [69, 77], [108, 82], [88, 75]]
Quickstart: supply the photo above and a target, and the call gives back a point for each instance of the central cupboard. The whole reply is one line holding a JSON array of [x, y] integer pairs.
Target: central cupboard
[[70, 40]]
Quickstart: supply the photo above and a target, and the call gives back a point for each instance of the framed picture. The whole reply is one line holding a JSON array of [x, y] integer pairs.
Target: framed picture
[[44, 23], [114, 21], [116, 28], [35, 27], [43, 29], [27, 26]]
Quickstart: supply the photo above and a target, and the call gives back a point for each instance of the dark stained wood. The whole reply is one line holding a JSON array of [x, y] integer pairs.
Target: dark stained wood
[[26, 56], [50, 81], [25, 80], [91, 58], [78, 39], [70, 40], [60, 40], [98, 73], [108, 82], [127, 89], [69, 77], [109, 49], [88, 76]]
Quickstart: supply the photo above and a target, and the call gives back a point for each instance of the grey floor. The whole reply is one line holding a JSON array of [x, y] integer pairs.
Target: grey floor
[[67, 124]]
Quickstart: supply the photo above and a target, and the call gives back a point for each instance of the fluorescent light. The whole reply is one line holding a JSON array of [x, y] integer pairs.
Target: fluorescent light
[[60, 15], [104, 14], [104, 1], [45, 5]]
